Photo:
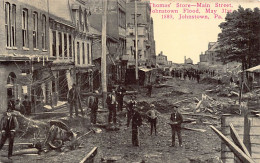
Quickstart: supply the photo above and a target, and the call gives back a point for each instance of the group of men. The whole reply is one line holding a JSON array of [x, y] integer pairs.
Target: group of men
[[114, 102], [134, 114]]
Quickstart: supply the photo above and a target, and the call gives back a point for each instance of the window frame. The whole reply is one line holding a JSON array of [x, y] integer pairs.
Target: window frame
[[35, 30], [25, 37], [44, 31]]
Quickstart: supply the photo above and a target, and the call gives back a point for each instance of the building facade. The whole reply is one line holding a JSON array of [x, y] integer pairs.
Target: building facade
[[116, 29], [146, 44], [161, 59], [24, 51], [210, 56]]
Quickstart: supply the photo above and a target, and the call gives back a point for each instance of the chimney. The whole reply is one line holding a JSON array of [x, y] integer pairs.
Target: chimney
[[184, 59]]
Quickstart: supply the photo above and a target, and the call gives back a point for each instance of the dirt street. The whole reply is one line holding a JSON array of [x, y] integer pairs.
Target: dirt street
[[116, 145]]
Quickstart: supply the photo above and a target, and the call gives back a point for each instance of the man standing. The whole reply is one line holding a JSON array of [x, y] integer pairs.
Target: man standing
[[149, 89], [120, 97], [152, 118], [93, 105], [175, 122], [27, 105], [111, 104], [72, 100], [136, 123], [8, 126], [132, 103]]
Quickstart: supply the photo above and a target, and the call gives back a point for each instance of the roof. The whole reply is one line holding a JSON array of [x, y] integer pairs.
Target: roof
[[61, 9], [214, 47], [254, 69]]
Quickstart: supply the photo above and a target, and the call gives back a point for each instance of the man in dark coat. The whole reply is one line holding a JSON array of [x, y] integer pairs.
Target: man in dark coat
[[120, 97], [72, 100], [131, 104], [136, 123], [93, 105], [175, 122], [8, 127], [149, 89], [111, 104]]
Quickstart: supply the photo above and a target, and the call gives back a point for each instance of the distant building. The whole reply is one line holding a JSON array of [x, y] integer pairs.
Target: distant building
[[169, 63], [210, 56], [146, 43], [188, 61], [161, 59]]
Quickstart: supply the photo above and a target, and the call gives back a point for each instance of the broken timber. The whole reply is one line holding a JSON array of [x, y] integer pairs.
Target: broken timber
[[194, 129], [89, 158], [234, 135], [235, 149]]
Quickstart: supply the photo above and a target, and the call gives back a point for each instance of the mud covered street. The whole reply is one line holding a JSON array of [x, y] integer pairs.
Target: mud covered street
[[117, 145]]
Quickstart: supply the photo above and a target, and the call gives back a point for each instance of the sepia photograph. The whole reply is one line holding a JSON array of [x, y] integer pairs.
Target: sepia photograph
[[130, 81]]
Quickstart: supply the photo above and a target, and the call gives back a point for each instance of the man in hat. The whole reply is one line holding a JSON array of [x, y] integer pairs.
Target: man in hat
[[152, 118], [120, 97], [175, 122], [8, 127], [111, 104], [136, 123], [93, 105], [131, 104]]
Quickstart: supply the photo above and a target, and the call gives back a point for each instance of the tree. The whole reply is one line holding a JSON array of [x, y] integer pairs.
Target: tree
[[240, 37]]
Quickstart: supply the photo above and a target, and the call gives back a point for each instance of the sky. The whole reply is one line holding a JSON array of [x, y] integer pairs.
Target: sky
[[189, 37]]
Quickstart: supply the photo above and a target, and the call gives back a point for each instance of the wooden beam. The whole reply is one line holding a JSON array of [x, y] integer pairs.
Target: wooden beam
[[90, 156], [237, 140], [234, 148]]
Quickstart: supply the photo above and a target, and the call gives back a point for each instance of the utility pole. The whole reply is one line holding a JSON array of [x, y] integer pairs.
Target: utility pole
[[104, 53], [136, 45]]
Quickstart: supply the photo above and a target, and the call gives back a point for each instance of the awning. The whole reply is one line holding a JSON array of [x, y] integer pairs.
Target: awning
[[145, 69], [254, 69]]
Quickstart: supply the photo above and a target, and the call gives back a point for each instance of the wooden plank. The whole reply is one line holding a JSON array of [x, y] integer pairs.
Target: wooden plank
[[255, 139], [254, 131], [255, 155], [229, 160], [239, 121], [229, 154], [238, 152], [237, 140], [89, 158]]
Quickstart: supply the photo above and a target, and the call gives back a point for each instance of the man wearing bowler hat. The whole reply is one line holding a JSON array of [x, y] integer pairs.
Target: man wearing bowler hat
[[8, 127], [175, 122]]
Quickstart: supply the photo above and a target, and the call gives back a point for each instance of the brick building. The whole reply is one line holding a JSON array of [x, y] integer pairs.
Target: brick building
[[24, 52]]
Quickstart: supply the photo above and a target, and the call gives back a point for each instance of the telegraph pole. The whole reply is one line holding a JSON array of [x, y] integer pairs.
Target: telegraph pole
[[136, 45], [104, 53]]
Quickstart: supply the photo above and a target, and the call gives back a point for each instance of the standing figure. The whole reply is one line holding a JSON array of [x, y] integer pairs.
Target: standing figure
[[111, 104], [136, 123], [149, 90], [231, 80], [8, 126], [152, 118], [176, 120], [72, 100], [132, 103], [93, 105], [27, 105], [198, 78], [120, 97], [19, 107]]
